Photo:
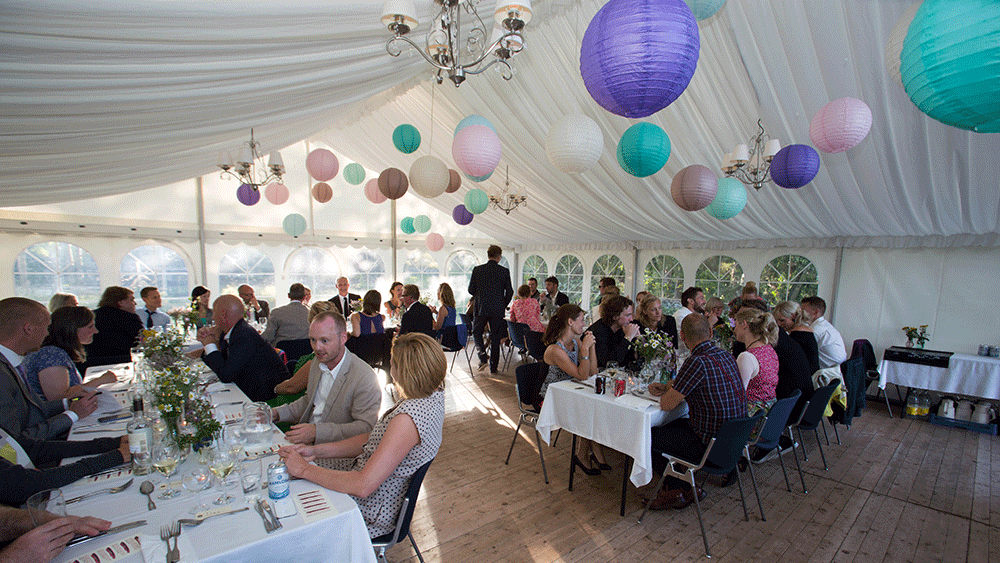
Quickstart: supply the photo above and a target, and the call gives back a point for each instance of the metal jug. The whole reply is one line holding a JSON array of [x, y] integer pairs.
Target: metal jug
[[984, 413], [947, 408], [964, 411]]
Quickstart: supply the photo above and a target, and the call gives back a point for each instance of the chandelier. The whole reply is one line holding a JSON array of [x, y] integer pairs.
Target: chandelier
[[444, 45], [249, 167], [752, 164], [507, 200]]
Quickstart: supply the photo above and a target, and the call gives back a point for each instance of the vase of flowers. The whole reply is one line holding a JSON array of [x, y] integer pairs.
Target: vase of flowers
[[723, 333], [916, 336], [659, 357]]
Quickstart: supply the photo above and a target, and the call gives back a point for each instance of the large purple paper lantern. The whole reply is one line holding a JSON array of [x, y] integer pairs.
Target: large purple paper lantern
[[638, 56], [794, 166], [461, 215], [247, 195]]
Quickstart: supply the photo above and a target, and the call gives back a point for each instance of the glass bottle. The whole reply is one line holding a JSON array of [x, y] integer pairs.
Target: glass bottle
[[140, 438]]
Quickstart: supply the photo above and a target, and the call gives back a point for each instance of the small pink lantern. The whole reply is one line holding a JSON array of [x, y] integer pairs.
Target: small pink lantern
[[322, 165], [454, 181], [276, 193], [247, 195], [694, 187], [372, 192], [322, 192], [392, 182], [435, 242], [840, 125], [476, 150]]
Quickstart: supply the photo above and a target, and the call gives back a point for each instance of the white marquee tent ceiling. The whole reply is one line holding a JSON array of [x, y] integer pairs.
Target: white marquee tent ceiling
[[111, 96]]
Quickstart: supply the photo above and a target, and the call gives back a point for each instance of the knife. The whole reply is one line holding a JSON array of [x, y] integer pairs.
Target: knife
[[98, 431], [267, 523], [228, 404], [109, 531]]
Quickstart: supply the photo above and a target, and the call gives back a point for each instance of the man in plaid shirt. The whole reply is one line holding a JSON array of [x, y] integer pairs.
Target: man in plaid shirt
[[710, 383]]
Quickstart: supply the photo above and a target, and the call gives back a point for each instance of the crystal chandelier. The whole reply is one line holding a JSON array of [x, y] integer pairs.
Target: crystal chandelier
[[752, 164], [249, 167], [444, 45], [507, 200]]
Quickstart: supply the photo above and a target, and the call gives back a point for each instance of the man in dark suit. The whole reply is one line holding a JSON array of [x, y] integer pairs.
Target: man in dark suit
[[342, 301], [418, 317], [237, 354], [490, 287], [552, 292], [257, 310]]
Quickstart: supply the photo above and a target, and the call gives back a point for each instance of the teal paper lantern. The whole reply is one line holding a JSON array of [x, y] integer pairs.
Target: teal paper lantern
[[474, 120], [476, 201], [406, 225], [294, 224], [950, 63], [406, 138], [478, 178], [704, 9], [354, 173], [643, 149], [729, 200], [422, 223]]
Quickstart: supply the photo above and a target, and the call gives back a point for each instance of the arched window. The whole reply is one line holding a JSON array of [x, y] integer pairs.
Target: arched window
[[368, 273], [720, 276], [788, 278], [534, 267], [607, 266], [569, 272], [664, 278], [51, 267], [159, 266], [503, 262], [247, 265], [422, 271], [460, 267], [315, 268]]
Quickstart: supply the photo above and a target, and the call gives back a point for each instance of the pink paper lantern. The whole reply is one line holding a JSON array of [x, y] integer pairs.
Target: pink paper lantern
[[840, 125], [276, 193], [476, 150], [372, 192], [322, 192], [322, 165], [435, 242], [247, 195], [694, 187], [392, 182], [454, 181]]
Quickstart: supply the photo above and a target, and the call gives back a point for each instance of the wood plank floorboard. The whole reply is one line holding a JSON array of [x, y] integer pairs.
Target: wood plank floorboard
[[896, 490]]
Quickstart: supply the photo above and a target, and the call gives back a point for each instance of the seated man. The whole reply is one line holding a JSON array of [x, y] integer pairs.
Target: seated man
[[289, 322], [38, 544], [342, 396], [150, 314], [257, 310], [237, 354], [830, 343], [418, 317], [710, 383]]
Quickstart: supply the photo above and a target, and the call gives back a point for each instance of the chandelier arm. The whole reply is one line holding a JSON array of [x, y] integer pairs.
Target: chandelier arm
[[489, 51], [391, 43]]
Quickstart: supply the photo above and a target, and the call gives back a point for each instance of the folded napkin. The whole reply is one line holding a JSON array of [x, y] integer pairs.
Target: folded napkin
[[637, 403], [154, 549]]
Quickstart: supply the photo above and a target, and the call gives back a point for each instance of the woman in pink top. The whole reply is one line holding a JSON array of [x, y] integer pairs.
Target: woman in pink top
[[759, 364], [525, 310]]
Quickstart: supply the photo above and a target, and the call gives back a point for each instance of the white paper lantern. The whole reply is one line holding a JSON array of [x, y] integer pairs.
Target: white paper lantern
[[429, 176], [840, 125], [574, 143], [476, 150], [894, 46]]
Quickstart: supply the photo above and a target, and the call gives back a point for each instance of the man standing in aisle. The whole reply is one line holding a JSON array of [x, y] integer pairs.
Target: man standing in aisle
[[490, 287], [832, 352], [342, 301], [150, 313], [289, 322], [258, 310]]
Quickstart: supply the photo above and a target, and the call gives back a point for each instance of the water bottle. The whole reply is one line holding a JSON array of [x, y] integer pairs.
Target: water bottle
[[912, 404]]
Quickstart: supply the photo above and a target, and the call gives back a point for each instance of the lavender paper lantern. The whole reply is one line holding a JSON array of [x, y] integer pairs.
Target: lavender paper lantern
[[476, 150], [454, 181], [322, 192], [730, 199], [694, 187], [322, 165], [247, 195], [276, 193], [574, 143], [840, 125], [704, 9], [474, 120], [406, 225], [638, 56], [372, 192], [393, 183], [434, 242], [429, 176], [643, 149], [422, 223], [354, 173], [794, 166], [406, 138], [476, 201], [294, 224], [461, 215]]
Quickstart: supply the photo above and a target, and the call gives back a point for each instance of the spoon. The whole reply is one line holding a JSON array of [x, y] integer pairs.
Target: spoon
[[147, 488]]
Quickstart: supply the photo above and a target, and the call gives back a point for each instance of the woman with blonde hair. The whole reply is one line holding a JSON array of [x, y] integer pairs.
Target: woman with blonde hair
[[446, 314], [650, 318], [758, 365], [790, 316]]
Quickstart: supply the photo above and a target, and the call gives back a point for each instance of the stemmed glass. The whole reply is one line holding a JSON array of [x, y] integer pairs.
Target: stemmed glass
[[166, 456], [233, 438], [196, 481], [221, 463]]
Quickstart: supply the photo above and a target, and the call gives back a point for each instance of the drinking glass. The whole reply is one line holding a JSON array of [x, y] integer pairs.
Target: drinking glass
[[221, 464], [166, 456], [196, 481], [612, 369], [250, 474], [49, 501], [234, 439]]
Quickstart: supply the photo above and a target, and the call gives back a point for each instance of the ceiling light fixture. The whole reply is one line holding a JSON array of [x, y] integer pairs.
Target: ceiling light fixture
[[507, 200], [249, 167], [752, 164]]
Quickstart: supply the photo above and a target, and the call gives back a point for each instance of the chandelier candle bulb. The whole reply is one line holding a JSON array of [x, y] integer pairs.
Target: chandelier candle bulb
[[771, 148]]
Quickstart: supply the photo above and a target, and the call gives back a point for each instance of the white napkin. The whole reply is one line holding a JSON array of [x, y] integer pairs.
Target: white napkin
[[155, 549], [636, 403]]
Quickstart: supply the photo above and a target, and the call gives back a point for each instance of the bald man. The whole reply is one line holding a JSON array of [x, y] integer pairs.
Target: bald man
[[237, 354]]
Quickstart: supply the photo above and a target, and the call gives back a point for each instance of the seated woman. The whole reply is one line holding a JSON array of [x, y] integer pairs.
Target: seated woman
[[525, 310], [758, 365], [51, 370], [650, 318], [375, 468], [614, 331], [446, 314], [606, 293], [790, 317], [714, 310], [394, 306], [62, 300], [200, 300], [297, 382], [118, 328], [368, 320]]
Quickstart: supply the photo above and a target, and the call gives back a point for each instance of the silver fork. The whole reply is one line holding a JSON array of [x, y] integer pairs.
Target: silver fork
[[165, 536], [108, 491], [175, 532]]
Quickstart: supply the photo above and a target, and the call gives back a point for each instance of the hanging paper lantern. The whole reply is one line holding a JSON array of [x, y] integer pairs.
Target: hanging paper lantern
[[643, 149], [461, 215], [422, 223], [322, 165], [482, 178], [694, 187], [435, 242], [354, 173], [638, 56], [794, 166], [393, 183], [276, 193], [247, 195], [894, 45], [574, 143], [704, 9], [840, 125], [950, 63], [730, 199], [474, 120], [372, 192], [476, 201], [406, 225], [322, 192], [406, 138], [429, 176], [476, 150], [294, 224], [454, 181]]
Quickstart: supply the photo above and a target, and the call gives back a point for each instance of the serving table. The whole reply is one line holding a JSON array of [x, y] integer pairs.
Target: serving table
[[966, 374]]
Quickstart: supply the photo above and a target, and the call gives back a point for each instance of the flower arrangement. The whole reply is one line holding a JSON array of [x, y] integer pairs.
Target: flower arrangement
[[162, 350], [659, 354], [358, 305], [724, 334], [916, 334], [425, 300]]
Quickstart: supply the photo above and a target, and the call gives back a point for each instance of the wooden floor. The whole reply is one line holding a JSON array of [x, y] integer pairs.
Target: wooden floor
[[896, 490]]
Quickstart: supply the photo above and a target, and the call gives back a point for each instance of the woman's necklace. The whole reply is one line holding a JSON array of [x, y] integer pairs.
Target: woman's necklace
[[751, 345]]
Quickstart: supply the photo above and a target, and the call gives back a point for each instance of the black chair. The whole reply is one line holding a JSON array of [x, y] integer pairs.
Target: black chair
[[467, 321], [533, 342], [774, 429], [515, 331], [383, 543], [294, 349], [374, 349], [853, 376], [863, 348], [453, 339], [529, 378], [812, 418]]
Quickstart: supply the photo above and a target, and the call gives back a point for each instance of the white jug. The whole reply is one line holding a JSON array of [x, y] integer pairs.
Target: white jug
[[984, 413], [964, 411], [947, 408]]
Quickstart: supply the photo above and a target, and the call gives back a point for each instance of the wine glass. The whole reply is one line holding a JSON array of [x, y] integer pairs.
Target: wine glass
[[221, 464], [166, 456], [196, 481], [612, 369], [233, 438]]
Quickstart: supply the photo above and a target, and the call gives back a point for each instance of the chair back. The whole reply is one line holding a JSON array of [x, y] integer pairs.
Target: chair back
[[853, 372], [466, 319], [730, 441], [777, 420], [451, 341], [529, 382], [862, 347], [516, 333], [294, 349], [405, 511], [533, 342], [813, 414], [374, 349]]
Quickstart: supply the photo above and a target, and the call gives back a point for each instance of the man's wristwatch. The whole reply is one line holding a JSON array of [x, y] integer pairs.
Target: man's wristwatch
[[585, 358]]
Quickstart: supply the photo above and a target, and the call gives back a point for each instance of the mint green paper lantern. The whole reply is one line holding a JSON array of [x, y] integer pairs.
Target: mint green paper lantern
[[643, 149], [422, 223], [406, 138], [704, 9], [294, 224], [406, 225], [354, 173], [476, 201], [950, 63], [478, 178], [729, 200]]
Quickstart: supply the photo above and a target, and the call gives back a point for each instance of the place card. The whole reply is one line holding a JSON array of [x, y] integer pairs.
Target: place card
[[313, 505], [112, 551], [261, 452], [122, 398], [100, 478], [232, 417]]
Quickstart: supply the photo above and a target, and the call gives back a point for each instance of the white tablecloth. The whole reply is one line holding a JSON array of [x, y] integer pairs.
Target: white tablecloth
[[966, 374]]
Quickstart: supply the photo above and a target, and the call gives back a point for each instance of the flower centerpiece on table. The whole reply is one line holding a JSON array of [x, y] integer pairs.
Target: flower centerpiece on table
[[358, 305], [659, 355], [724, 334], [916, 335]]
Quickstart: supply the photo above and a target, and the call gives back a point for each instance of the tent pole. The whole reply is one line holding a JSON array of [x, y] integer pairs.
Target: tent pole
[[201, 229], [836, 282], [392, 227], [635, 272]]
